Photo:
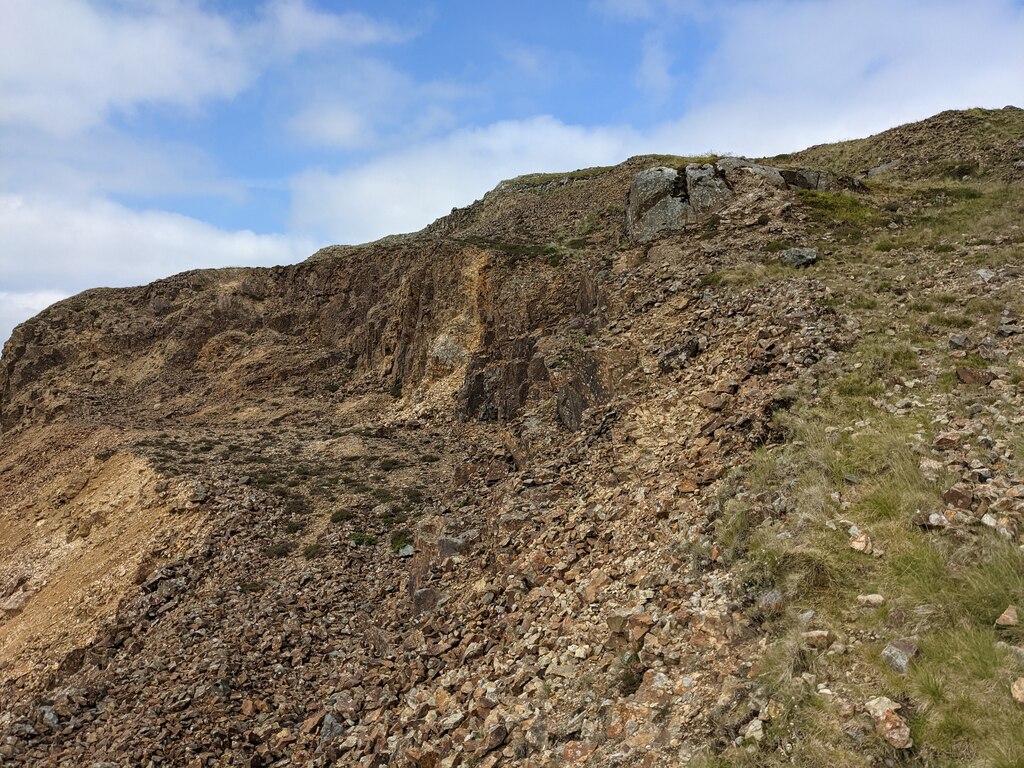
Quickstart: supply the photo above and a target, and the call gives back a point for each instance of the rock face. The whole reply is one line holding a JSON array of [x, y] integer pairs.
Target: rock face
[[663, 200]]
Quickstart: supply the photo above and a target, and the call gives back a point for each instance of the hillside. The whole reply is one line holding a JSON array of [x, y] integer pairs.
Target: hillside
[[685, 461]]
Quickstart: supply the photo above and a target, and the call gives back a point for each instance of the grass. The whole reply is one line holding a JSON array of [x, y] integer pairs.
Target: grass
[[843, 213], [850, 458], [539, 179]]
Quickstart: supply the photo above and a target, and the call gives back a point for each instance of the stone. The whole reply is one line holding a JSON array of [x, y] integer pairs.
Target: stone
[[976, 377], [598, 581], [771, 602], [898, 653], [816, 639], [655, 205], [799, 257], [1007, 618], [871, 600], [15, 603], [330, 728], [662, 200], [985, 275], [960, 496], [199, 493], [1015, 650], [1017, 690], [861, 542], [735, 167], [754, 730], [888, 724], [706, 189], [495, 737], [406, 551]]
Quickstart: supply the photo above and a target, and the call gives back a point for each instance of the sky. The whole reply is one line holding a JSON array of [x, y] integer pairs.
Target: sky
[[139, 138]]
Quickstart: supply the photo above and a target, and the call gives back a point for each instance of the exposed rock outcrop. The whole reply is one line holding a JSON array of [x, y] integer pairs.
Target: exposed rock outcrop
[[663, 200]]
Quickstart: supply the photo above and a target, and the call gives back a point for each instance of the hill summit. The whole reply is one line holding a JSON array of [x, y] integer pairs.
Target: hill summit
[[685, 461]]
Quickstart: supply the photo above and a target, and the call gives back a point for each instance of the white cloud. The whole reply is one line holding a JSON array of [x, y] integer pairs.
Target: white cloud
[[290, 27], [51, 248], [785, 75], [655, 76], [66, 65], [105, 161], [407, 190], [365, 103], [332, 125]]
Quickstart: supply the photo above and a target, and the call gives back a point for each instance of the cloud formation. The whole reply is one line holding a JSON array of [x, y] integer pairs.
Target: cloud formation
[[66, 66], [404, 191]]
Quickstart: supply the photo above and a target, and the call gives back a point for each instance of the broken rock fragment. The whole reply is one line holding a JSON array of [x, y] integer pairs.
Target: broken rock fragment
[[899, 653], [888, 724]]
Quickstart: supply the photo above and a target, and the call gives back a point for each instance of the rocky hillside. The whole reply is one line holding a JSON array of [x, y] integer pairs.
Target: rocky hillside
[[686, 461]]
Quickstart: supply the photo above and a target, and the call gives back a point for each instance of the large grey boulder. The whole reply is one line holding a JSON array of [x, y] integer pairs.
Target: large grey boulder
[[734, 168], [705, 188], [664, 200], [657, 203]]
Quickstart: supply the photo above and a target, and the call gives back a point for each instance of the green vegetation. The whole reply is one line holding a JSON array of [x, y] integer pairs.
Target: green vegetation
[[401, 539], [853, 463], [312, 551], [539, 179], [281, 548]]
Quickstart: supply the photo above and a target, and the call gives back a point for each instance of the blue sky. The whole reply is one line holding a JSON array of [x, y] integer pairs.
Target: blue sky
[[140, 138]]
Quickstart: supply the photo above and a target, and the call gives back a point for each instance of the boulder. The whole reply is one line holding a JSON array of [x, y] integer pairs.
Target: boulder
[[705, 188], [799, 257], [657, 203]]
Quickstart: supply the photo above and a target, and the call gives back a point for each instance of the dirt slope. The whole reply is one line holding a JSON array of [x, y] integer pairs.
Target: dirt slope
[[535, 486]]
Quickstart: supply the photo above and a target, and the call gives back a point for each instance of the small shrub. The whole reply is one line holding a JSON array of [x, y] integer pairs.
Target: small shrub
[[776, 246], [361, 539], [297, 505], [311, 551], [281, 549], [401, 539], [341, 515]]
